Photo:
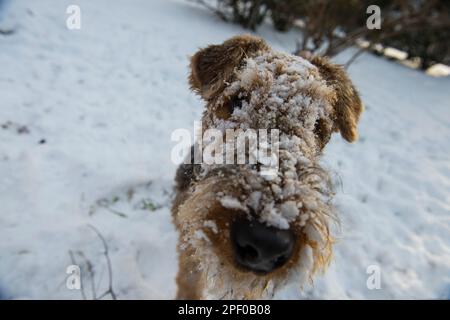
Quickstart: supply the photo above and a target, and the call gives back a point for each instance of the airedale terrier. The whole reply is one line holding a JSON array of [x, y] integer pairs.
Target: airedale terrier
[[242, 235]]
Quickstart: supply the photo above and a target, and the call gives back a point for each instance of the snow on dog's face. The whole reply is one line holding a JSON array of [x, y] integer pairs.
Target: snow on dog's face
[[252, 232]]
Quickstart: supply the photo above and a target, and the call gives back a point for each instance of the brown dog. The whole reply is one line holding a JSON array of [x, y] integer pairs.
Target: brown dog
[[241, 234]]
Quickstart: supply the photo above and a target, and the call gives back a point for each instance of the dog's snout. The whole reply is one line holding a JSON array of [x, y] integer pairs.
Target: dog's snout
[[260, 248]]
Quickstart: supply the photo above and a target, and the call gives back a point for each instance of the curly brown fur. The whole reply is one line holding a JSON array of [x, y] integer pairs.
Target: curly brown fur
[[348, 105], [306, 101]]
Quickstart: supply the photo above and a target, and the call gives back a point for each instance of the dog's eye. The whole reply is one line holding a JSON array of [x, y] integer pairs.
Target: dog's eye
[[322, 131], [235, 103], [228, 108]]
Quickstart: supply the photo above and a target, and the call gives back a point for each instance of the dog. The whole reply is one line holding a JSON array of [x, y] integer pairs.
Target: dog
[[243, 235]]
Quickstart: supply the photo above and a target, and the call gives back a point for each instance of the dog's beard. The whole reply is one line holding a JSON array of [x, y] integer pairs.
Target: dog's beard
[[221, 279]]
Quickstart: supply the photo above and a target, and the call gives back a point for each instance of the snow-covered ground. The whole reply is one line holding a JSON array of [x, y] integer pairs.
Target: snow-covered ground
[[86, 117]]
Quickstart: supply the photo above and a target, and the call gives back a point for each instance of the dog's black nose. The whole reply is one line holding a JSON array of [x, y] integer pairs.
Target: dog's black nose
[[260, 248]]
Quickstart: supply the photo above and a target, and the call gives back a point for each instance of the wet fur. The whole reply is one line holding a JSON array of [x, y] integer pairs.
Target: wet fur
[[206, 266]]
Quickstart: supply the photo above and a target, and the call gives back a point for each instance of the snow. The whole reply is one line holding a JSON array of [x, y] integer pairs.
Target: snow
[[212, 225], [99, 106], [289, 210], [231, 203], [439, 70]]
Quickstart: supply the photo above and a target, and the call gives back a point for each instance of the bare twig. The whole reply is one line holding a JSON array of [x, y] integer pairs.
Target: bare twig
[[354, 57], [110, 290], [214, 10], [414, 25], [90, 269], [360, 51]]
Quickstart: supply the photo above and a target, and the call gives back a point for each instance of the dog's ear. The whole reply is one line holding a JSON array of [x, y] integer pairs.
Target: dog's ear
[[347, 106], [212, 66]]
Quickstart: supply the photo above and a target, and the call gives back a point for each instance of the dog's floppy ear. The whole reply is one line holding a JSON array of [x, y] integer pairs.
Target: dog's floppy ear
[[348, 106], [212, 66]]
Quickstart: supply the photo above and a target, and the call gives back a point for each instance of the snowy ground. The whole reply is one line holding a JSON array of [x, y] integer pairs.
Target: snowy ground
[[86, 118]]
